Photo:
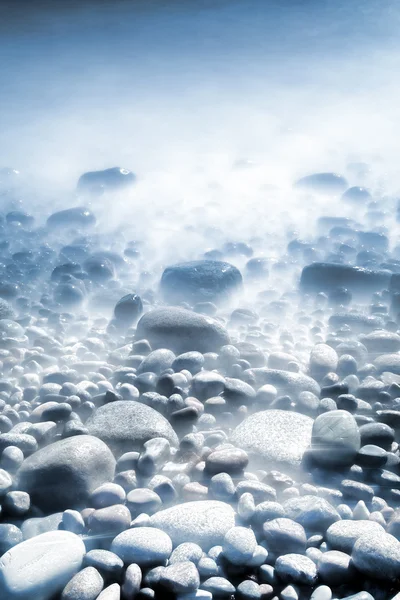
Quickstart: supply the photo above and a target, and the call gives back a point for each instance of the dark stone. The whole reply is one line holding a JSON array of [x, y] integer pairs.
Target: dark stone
[[65, 473], [326, 277], [197, 281]]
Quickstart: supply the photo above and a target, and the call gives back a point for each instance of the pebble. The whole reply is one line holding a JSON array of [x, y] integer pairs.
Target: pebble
[[335, 439], [283, 535], [295, 568], [85, 585], [180, 578], [145, 546], [239, 545], [377, 555], [200, 281]]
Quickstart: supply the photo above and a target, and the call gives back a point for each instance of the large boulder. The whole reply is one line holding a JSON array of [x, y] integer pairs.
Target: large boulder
[[203, 522], [65, 473], [126, 425], [274, 437], [181, 330], [40, 567], [200, 281]]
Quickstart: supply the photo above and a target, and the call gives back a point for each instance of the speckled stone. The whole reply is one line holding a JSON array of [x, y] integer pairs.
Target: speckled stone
[[344, 534], [204, 522], [274, 437]]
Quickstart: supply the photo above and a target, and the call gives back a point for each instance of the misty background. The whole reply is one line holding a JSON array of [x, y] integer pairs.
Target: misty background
[[217, 106]]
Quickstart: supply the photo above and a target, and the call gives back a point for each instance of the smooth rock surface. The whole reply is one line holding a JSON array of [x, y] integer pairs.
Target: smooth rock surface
[[65, 473], [40, 567], [181, 330], [203, 522], [126, 425], [274, 437]]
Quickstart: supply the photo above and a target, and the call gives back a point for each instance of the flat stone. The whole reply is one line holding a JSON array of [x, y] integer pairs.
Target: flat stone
[[200, 281], [239, 545], [126, 425], [295, 568], [181, 330], [145, 546], [284, 535], [85, 585], [335, 439], [39, 568], [274, 437], [378, 556], [323, 360], [180, 578], [326, 277], [65, 473], [312, 512], [203, 522], [344, 534], [285, 382]]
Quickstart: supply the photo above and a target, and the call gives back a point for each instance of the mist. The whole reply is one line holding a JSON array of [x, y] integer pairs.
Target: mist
[[218, 107]]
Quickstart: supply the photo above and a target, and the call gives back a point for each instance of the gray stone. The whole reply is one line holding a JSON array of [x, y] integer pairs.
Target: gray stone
[[39, 568], [219, 587], [180, 578], [227, 460], [378, 556], [181, 330], [107, 495], [38, 525], [10, 535], [388, 363], [145, 546], [85, 585], [295, 568], [323, 360], [65, 473], [274, 437], [381, 342], [334, 567], [110, 520], [335, 439], [104, 561], [200, 281], [285, 382], [188, 551], [132, 582], [312, 512], [283, 535], [239, 545], [327, 277], [157, 361], [203, 522], [127, 425], [344, 534]]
